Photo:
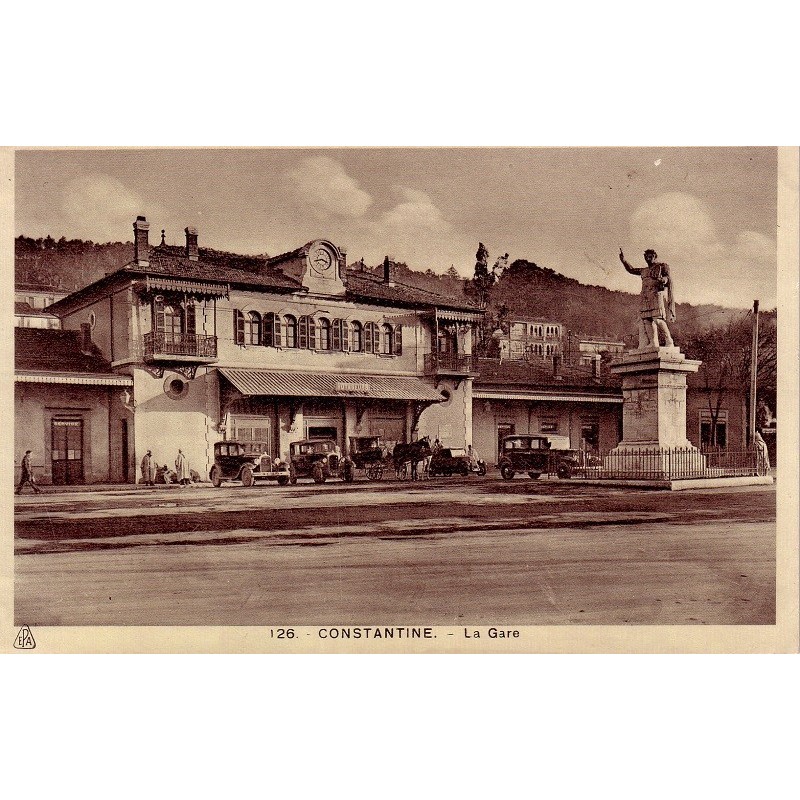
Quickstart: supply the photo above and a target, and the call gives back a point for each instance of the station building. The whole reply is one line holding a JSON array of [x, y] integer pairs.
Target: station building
[[273, 350]]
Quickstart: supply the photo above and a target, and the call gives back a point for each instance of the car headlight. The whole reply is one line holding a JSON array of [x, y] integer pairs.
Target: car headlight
[[325, 460]]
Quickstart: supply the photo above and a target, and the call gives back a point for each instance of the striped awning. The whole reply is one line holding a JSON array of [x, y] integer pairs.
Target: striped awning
[[199, 288], [257, 382], [577, 397], [75, 378]]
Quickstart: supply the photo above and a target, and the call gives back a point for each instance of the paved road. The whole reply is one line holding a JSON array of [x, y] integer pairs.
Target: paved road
[[446, 552]]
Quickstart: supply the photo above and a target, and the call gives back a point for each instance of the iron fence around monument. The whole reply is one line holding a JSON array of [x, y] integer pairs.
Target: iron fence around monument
[[674, 464]]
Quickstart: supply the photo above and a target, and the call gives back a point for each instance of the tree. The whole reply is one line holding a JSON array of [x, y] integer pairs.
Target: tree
[[726, 353]]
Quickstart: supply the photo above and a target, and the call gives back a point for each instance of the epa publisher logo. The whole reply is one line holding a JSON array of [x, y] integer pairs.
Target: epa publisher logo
[[24, 639]]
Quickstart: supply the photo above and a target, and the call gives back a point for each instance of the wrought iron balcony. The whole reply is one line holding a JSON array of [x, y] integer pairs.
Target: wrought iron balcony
[[448, 364], [192, 347]]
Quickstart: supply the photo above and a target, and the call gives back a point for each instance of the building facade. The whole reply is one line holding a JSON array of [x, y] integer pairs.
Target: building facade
[[275, 350], [70, 409], [532, 339]]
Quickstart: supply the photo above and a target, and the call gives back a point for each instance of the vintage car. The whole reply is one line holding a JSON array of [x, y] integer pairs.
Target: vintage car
[[318, 459], [248, 462], [454, 461], [535, 455]]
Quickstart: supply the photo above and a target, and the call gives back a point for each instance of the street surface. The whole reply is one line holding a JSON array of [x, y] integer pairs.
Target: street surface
[[448, 551]]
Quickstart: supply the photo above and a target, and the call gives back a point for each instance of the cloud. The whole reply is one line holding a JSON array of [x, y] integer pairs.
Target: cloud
[[415, 231], [706, 267], [323, 188], [99, 207]]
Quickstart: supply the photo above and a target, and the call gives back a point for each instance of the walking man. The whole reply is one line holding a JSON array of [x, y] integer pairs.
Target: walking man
[[26, 475], [148, 469], [182, 473]]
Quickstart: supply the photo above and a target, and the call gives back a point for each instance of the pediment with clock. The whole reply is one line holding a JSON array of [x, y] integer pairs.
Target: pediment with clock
[[324, 268]]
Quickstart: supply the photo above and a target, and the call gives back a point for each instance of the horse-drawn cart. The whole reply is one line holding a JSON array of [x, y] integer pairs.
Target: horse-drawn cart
[[370, 455]]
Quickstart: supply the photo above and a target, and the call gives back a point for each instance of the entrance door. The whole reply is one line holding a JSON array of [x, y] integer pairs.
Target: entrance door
[[67, 451]]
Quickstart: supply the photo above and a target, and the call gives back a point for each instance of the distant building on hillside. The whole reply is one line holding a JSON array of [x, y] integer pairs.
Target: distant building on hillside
[[532, 339], [586, 350], [30, 305]]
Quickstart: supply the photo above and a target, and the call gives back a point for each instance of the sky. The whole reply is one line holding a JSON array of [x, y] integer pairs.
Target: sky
[[710, 213]]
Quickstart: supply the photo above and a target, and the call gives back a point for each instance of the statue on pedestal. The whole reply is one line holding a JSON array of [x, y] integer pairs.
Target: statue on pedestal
[[657, 301]]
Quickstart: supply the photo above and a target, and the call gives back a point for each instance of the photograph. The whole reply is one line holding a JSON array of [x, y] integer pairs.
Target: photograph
[[430, 399]]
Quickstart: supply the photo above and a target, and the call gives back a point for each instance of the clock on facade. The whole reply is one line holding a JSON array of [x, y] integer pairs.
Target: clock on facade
[[321, 259]]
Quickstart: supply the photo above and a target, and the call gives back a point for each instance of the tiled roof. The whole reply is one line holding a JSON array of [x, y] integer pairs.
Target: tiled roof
[[493, 372], [44, 349], [172, 261], [25, 309], [371, 287]]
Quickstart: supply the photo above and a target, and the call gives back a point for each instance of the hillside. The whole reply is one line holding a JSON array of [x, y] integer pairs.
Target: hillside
[[525, 289]]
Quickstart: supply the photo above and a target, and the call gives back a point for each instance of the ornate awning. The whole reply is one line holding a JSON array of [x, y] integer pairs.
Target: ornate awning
[[74, 378], [261, 382], [459, 316], [577, 397], [197, 288]]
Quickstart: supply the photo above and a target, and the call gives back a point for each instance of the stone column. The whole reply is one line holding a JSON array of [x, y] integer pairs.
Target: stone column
[[654, 442]]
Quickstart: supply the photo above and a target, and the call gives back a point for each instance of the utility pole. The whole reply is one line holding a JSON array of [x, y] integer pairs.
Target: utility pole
[[751, 428]]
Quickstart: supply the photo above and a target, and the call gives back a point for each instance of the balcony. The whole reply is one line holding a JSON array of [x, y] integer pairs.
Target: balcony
[[186, 347], [448, 364]]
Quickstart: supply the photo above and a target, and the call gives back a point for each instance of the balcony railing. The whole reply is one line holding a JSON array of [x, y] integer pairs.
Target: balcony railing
[[447, 364], [189, 346]]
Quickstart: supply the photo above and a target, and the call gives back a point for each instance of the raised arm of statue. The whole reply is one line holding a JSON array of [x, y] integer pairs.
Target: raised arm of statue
[[632, 270]]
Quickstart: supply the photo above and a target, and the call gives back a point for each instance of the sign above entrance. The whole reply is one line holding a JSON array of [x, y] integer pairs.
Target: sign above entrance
[[353, 387]]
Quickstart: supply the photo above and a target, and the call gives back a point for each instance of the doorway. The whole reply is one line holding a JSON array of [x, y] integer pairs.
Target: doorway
[[67, 451]]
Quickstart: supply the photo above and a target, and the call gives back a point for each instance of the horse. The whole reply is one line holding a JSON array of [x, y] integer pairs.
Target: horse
[[411, 453]]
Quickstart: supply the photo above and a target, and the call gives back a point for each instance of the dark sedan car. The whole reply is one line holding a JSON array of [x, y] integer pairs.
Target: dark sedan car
[[535, 455], [247, 462]]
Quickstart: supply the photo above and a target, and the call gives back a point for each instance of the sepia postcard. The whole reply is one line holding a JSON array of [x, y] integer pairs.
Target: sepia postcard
[[400, 400]]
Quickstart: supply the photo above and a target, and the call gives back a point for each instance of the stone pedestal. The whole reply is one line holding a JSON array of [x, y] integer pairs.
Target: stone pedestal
[[654, 439]]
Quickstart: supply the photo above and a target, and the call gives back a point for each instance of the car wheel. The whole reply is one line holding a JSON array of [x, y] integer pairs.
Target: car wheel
[[283, 481], [216, 477], [481, 469], [247, 476], [317, 474], [507, 472], [564, 471], [534, 475]]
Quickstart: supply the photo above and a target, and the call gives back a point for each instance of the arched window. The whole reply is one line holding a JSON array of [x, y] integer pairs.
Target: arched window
[[357, 344], [324, 334], [371, 338], [271, 336], [306, 333], [252, 328], [291, 330], [387, 339]]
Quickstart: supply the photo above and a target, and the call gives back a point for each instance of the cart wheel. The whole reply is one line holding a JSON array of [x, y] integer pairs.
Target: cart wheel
[[507, 472], [564, 470], [481, 469], [317, 474], [247, 476], [216, 478]]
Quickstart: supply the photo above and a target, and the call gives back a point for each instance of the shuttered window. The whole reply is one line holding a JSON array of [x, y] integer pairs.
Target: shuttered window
[[238, 327]]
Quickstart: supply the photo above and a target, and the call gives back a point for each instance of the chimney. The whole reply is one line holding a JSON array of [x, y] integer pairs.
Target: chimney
[[86, 337], [141, 247], [557, 368], [388, 271], [191, 244]]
